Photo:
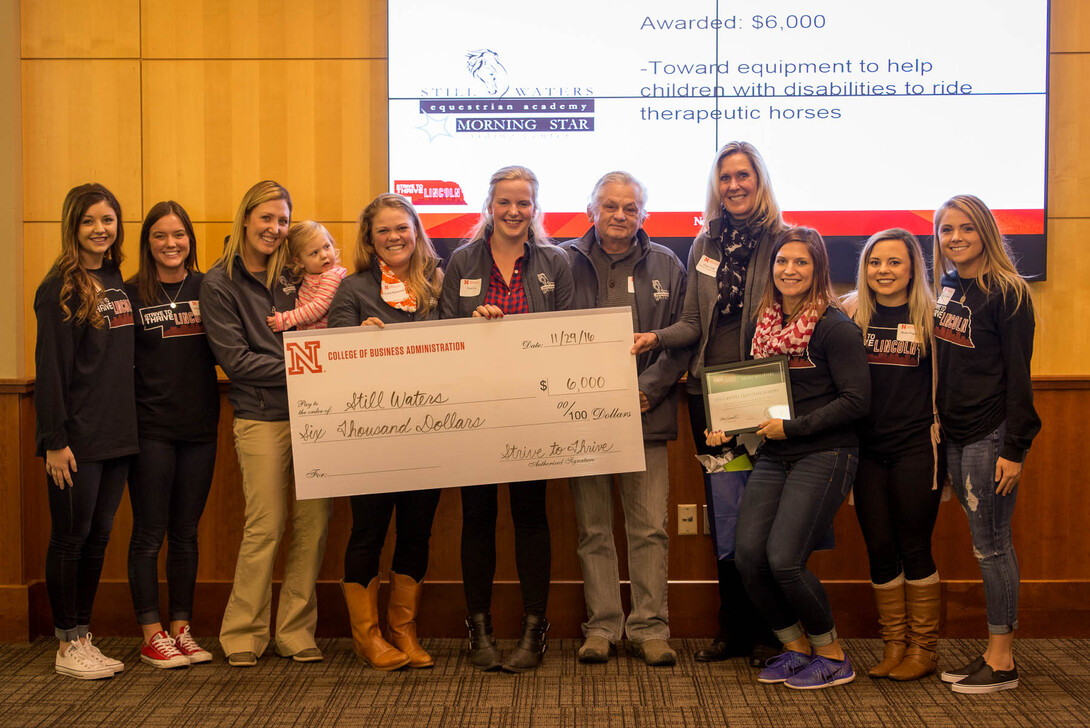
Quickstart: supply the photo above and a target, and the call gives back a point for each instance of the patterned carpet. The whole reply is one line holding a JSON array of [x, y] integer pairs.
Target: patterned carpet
[[624, 693]]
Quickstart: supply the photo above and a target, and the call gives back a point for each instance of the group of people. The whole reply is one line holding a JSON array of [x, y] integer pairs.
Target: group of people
[[895, 387]]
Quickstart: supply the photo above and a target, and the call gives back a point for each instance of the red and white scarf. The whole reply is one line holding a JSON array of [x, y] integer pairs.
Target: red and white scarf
[[773, 339], [394, 291]]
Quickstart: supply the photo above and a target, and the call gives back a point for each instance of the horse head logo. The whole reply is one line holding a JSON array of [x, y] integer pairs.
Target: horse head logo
[[484, 65]]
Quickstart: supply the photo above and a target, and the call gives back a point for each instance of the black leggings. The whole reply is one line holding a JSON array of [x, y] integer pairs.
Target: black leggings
[[370, 521], [533, 551], [897, 507], [82, 516], [168, 487], [739, 620]]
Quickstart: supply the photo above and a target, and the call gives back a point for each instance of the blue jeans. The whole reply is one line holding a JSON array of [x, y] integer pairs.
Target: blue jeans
[[972, 471], [644, 497], [168, 487], [787, 509]]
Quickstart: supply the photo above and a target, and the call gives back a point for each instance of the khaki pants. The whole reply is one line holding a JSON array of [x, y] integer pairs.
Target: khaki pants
[[264, 455]]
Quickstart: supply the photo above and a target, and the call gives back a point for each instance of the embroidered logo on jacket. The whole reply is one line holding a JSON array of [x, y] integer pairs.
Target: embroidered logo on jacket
[[547, 286], [660, 294], [287, 286]]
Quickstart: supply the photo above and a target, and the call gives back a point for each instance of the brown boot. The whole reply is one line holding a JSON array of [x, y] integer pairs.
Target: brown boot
[[890, 598], [924, 602], [366, 636], [401, 619]]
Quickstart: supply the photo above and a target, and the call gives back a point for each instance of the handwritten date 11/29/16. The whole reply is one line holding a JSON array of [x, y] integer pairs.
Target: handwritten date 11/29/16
[[562, 338]]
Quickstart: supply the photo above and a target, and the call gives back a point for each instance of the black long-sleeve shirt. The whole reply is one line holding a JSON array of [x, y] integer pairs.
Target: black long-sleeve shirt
[[984, 344], [83, 393], [830, 390], [177, 396], [901, 411]]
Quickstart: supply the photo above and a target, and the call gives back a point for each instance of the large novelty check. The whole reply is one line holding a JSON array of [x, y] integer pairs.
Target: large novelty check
[[463, 402]]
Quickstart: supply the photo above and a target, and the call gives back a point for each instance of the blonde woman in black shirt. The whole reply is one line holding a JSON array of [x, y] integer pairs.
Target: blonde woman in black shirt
[[896, 493]]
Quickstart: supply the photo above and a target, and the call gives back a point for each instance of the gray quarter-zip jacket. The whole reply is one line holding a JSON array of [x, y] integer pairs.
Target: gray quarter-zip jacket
[[251, 354]]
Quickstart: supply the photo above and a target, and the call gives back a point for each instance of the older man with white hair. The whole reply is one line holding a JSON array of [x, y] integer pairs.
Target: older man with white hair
[[616, 264]]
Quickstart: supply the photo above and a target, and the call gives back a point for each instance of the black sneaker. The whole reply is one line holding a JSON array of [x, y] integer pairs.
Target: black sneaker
[[953, 676], [987, 680]]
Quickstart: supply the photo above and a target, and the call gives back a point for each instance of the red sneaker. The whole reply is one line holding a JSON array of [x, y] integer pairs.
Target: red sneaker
[[188, 646], [162, 652]]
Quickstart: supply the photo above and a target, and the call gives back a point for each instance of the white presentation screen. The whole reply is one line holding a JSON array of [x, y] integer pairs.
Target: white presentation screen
[[868, 114]]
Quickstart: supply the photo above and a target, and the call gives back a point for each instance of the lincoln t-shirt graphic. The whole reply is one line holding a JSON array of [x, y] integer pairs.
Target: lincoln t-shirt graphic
[[182, 320], [115, 308], [954, 323]]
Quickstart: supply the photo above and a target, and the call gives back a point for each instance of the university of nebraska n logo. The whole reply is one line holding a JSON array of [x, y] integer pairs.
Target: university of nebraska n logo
[[302, 356]]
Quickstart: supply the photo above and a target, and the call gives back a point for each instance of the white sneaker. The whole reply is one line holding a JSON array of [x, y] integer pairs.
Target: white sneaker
[[189, 647], [76, 662], [96, 654]]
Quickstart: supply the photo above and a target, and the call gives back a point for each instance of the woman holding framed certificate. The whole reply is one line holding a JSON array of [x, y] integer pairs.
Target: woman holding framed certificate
[[727, 272], [397, 280], [807, 463]]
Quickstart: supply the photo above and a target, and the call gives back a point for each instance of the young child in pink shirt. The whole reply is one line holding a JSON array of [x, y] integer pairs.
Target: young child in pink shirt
[[315, 257]]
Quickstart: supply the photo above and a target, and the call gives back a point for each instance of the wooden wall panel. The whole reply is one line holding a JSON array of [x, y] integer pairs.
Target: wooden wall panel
[[1068, 29], [81, 123], [1063, 301], [80, 28], [41, 243], [1053, 546], [11, 501], [264, 29], [310, 125], [1069, 135]]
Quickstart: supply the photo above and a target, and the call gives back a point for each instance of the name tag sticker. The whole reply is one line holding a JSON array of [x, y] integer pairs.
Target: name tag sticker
[[631, 285], [906, 332], [708, 266], [946, 295], [469, 287], [394, 292]]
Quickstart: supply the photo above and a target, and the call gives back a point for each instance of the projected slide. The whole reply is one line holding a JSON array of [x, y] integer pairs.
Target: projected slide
[[868, 114]]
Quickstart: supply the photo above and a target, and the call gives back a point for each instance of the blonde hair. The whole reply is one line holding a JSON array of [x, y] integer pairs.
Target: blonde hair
[[505, 174], [425, 277], [821, 294], [300, 235], [766, 213], [921, 301], [75, 280], [262, 192], [997, 266]]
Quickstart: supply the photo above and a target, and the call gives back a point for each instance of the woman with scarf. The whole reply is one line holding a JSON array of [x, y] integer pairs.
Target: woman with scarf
[[728, 271], [397, 280], [807, 463]]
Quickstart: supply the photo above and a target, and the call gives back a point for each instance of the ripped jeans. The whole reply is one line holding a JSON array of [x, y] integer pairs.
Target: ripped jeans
[[972, 471]]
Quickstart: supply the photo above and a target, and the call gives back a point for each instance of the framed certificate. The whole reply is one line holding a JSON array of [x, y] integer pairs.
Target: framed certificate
[[740, 396]]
